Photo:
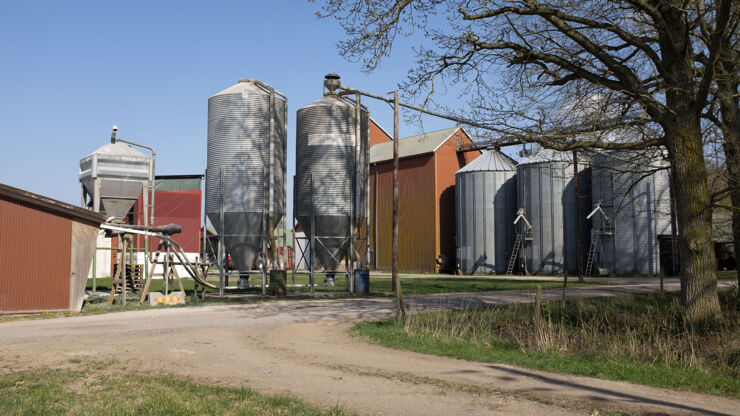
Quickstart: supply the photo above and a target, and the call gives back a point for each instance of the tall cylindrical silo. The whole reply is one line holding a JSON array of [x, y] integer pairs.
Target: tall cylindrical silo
[[485, 199], [326, 173], [634, 192], [245, 175], [546, 192]]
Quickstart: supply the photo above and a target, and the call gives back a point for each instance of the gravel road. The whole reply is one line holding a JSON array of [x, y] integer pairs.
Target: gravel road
[[302, 348]]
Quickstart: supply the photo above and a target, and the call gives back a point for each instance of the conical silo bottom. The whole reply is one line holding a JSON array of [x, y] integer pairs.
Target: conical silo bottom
[[117, 207], [332, 233], [242, 236], [243, 251]]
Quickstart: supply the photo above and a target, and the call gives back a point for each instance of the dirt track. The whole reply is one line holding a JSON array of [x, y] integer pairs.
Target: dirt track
[[302, 349]]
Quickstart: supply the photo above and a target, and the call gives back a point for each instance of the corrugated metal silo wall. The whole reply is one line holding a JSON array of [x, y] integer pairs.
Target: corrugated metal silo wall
[[331, 164], [280, 158], [238, 131], [485, 207], [447, 162], [547, 191], [640, 212], [417, 208], [30, 281]]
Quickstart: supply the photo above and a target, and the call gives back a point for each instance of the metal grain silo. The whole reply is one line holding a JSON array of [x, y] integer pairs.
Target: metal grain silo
[[245, 175], [485, 199], [634, 192], [114, 177], [327, 145], [546, 191]]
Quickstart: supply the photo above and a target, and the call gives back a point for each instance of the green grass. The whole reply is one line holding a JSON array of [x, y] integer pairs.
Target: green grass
[[92, 392], [640, 339], [420, 286]]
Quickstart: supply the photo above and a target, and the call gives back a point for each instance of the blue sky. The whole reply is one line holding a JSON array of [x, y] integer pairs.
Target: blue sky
[[69, 70]]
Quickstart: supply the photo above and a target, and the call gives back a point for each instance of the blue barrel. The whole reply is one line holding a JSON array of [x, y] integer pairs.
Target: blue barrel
[[362, 281]]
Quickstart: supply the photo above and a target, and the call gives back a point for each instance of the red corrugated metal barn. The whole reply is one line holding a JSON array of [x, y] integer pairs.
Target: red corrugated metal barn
[[46, 249], [177, 200], [426, 178]]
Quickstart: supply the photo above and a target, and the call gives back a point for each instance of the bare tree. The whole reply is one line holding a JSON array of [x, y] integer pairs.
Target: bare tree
[[724, 113], [572, 75]]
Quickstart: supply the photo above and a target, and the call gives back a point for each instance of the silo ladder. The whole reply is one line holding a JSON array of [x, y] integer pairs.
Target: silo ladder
[[515, 252], [595, 240]]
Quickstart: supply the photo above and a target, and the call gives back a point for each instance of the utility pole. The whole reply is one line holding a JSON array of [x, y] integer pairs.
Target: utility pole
[[400, 312], [579, 244]]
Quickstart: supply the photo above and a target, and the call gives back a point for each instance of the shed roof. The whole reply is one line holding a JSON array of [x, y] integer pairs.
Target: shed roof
[[177, 182], [492, 160], [413, 145], [52, 206]]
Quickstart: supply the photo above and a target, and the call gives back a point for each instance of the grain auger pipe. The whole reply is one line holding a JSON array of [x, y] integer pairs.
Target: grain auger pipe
[[164, 234]]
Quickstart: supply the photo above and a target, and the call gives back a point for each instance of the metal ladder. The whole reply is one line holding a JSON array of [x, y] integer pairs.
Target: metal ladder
[[595, 239], [514, 252]]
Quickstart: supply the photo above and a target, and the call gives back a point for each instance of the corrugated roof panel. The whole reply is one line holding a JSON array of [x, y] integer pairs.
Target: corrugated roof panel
[[412, 145]]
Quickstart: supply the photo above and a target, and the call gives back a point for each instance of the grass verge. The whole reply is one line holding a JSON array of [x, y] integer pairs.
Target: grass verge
[[638, 338], [86, 392], [421, 286]]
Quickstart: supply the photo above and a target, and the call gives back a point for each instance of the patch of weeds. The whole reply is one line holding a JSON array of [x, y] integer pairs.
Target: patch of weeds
[[636, 338]]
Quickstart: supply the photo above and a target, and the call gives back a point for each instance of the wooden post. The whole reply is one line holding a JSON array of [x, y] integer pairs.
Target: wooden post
[[148, 282], [400, 312], [565, 285], [579, 238]]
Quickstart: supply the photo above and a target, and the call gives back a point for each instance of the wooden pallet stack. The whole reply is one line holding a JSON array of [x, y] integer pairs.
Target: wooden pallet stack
[[134, 278]]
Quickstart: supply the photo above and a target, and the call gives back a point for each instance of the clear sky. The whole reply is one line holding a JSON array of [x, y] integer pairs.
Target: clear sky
[[72, 69]]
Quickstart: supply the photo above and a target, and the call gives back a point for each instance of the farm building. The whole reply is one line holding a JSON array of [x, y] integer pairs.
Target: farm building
[[177, 200], [46, 248], [378, 134], [426, 177]]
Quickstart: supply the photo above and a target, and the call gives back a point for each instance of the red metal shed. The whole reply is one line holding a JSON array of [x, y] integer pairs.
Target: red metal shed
[[46, 249]]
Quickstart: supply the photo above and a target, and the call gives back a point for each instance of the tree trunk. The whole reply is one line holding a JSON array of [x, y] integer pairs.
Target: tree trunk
[[683, 137], [732, 153], [694, 214]]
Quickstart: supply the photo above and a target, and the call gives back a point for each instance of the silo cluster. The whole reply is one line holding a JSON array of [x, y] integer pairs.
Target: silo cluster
[[485, 199], [245, 175], [632, 192]]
